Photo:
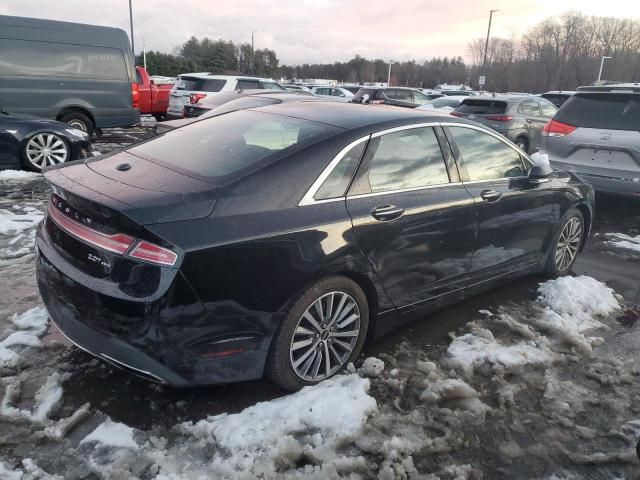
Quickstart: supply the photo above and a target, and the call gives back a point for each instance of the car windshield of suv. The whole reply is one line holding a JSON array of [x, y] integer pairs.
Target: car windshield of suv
[[614, 111], [228, 144], [482, 107], [200, 84]]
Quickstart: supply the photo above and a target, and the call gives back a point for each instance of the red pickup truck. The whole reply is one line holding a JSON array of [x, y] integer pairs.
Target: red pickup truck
[[152, 99]]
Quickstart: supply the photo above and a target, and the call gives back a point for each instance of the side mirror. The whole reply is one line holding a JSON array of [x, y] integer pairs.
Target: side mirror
[[540, 174]]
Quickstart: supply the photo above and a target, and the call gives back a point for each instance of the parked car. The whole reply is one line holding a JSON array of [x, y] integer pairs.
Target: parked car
[[289, 235], [398, 96], [335, 94], [82, 75], [558, 97], [519, 118], [232, 101], [152, 99], [596, 134], [296, 88], [444, 103], [35, 143], [206, 84], [458, 93]]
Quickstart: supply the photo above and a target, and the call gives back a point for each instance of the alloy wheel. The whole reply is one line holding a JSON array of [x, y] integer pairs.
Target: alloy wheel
[[568, 243], [325, 336], [79, 124], [46, 149]]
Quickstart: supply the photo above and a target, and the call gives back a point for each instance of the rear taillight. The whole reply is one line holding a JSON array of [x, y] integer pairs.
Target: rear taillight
[[153, 253], [196, 97], [456, 114], [499, 118], [557, 129], [135, 96], [118, 243]]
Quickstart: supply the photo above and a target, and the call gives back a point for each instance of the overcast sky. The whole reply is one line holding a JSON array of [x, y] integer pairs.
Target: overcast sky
[[310, 31]]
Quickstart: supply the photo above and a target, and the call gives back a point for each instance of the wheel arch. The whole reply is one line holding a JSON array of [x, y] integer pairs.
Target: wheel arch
[[588, 217], [76, 109]]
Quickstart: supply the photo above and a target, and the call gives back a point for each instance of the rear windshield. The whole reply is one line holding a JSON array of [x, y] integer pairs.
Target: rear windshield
[[228, 145], [200, 84], [482, 107], [614, 111]]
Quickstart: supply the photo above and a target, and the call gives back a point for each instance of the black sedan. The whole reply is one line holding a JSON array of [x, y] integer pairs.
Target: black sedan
[[35, 143], [278, 239]]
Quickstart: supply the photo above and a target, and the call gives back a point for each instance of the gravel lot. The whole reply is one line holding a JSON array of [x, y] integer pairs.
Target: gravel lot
[[533, 380]]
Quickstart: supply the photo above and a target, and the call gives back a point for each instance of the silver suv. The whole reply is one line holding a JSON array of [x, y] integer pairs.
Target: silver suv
[[520, 118], [596, 134]]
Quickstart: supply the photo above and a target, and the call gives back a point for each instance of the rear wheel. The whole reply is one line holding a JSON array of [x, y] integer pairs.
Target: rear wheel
[[43, 150], [78, 120], [523, 144], [566, 244], [323, 331]]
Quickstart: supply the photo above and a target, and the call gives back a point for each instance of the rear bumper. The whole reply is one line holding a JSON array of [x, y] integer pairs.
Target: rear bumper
[[604, 183], [160, 341]]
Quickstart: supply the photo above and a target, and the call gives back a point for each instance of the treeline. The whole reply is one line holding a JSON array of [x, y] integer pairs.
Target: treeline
[[216, 56], [561, 53]]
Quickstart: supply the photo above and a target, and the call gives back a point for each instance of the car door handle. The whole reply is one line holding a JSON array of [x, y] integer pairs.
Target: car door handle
[[385, 213], [490, 196]]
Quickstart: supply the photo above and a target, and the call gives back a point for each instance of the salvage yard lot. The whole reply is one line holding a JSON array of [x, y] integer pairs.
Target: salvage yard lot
[[538, 379]]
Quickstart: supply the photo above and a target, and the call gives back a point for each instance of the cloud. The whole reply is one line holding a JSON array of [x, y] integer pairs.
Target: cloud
[[310, 31]]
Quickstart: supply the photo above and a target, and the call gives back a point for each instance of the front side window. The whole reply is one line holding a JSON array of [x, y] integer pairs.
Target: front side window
[[485, 157], [337, 93], [248, 84], [272, 86], [336, 184], [407, 159], [419, 98]]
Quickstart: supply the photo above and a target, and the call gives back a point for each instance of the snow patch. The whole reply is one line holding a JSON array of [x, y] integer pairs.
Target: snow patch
[[46, 400], [16, 222], [112, 434], [372, 367], [626, 242], [18, 175]]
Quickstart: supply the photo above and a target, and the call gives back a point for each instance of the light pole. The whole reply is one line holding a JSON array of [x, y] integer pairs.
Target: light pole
[[131, 26], [602, 65], [389, 74], [486, 47], [253, 58]]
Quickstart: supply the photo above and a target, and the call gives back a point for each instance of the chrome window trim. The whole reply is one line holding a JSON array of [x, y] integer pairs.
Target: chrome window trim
[[315, 186], [308, 199]]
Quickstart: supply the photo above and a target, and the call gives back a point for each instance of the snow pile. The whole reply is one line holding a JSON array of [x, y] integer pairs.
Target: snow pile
[[372, 367], [626, 242], [276, 436], [454, 389], [31, 472], [112, 434], [18, 175], [35, 320], [541, 159], [47, 399], [16, 222]]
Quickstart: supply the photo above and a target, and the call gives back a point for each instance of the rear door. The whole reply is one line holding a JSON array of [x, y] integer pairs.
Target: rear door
[[515, 217], [412, 218], [534, 122], [605, 140]]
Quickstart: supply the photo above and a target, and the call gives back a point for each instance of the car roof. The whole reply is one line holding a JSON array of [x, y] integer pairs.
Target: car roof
[[498, 98], [221, 98], [616, 87], [223, 77], [351, 115], [559, 92]]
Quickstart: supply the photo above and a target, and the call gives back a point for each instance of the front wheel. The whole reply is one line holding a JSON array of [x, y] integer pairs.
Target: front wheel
[[323, 331], [566, 244]]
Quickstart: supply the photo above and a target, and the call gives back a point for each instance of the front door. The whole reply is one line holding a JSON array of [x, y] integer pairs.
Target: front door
[[515, 216], [413, 220]]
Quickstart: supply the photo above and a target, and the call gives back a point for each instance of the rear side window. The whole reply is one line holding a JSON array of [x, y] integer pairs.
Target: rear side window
[[482, 107], [227, 145], [48, 59], [529, 107], [338, 180], [548, 109], [247, 84], [200, 84], [407, 159], [484, 157], [613, 111]]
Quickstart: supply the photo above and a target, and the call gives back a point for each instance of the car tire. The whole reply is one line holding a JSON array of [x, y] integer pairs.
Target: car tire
[[566, 244], [78, 120], [43, 150], [299, 349], [523, 144]]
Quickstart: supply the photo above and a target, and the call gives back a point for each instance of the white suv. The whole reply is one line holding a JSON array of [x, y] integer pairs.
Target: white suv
[[201, 85]]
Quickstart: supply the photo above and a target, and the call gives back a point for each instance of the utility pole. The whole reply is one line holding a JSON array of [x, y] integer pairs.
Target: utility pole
[[486, 47], [131, 26], [602, 65], [253, 57], [389, 75], [144, 53]]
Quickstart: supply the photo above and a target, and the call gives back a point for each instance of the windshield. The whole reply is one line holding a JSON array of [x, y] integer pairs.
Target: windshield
[[228, 144], [482, 107]]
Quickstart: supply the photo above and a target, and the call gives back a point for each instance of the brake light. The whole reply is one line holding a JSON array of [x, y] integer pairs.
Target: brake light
[[116, 243], [196, 97], [455, 114], [499, 118], [153, 253], [557, 129], [135, 96]]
